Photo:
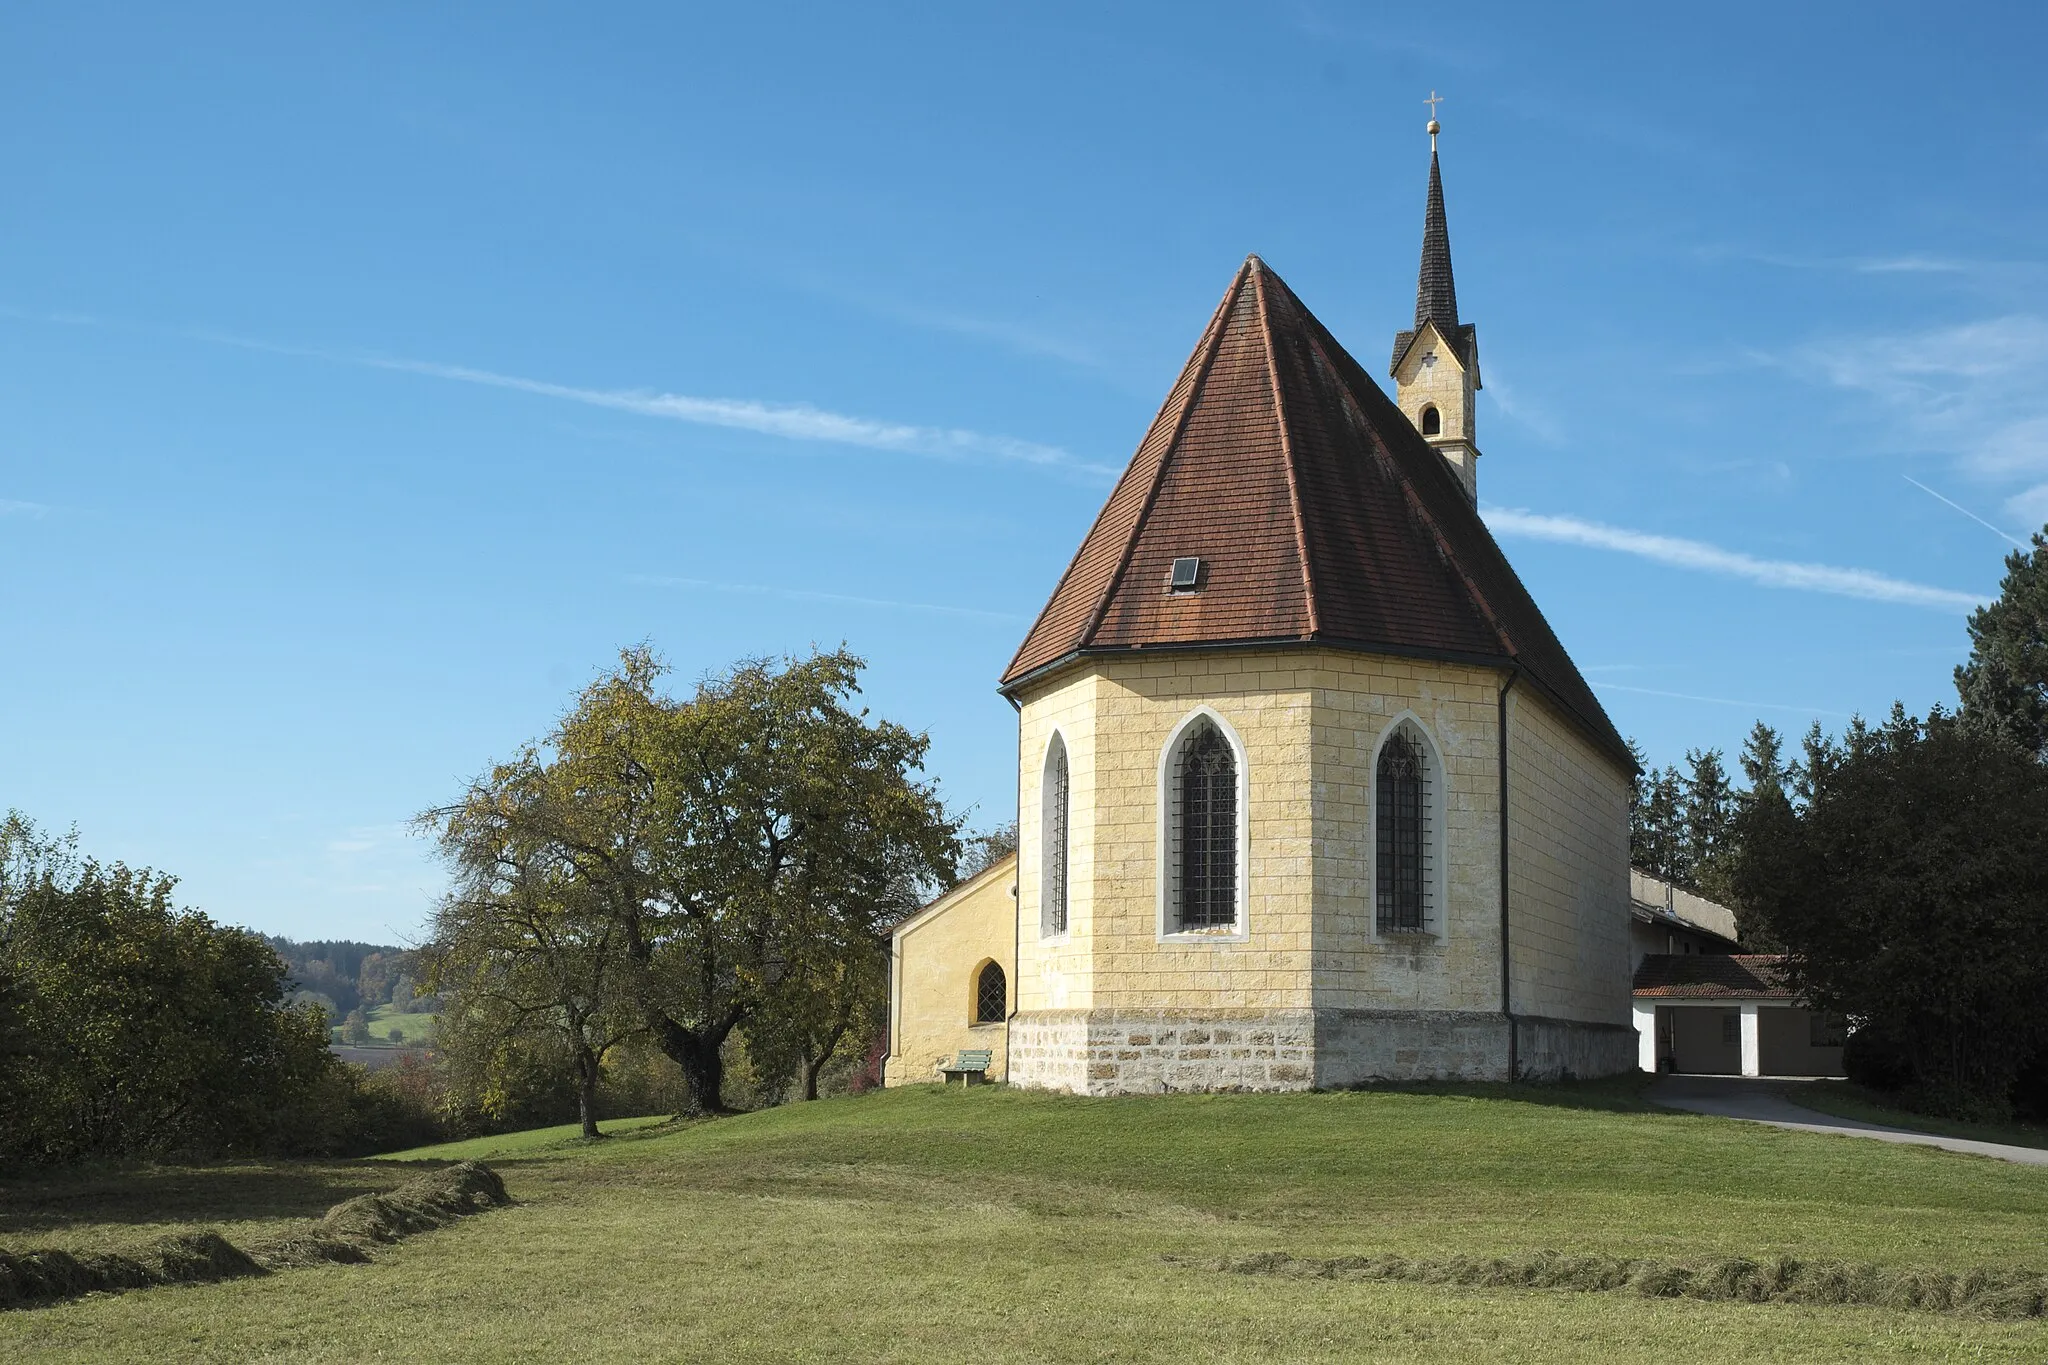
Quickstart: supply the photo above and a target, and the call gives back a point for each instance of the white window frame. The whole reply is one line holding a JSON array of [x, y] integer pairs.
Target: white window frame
[[1168, 866], [1436, 918], [1055, 743]]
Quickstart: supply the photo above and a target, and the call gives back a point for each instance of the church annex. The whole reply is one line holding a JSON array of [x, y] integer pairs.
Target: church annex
[[1310, 794]]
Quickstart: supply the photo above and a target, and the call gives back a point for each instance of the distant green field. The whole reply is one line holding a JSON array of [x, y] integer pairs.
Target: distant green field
[[415, 1028], [1004, 1226]]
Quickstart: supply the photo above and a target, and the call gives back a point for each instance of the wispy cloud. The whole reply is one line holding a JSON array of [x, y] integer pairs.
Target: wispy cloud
[[791, 421], [1695, 554], [10, 507], [1977, 392], [807, 595], [1719, 701]]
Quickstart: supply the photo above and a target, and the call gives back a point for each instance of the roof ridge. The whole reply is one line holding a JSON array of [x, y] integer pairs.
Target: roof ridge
[[1211, 344], [1287, 454], [1415, 504], [1214, 329]]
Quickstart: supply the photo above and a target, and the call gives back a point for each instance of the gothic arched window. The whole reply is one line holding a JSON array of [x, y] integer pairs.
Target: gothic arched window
[[1404, 873], [991, 995], [1205, 830], [1432, 422], [1052, 880]]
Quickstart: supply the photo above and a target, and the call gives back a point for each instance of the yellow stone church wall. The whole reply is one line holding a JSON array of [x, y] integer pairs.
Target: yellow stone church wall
[[1568, 890], [1309, 722], [1057, 973], [936, 959], [1117, 715], [1358, 698]]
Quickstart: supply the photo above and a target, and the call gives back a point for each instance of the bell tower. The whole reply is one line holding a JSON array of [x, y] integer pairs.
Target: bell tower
[[1436, 364]]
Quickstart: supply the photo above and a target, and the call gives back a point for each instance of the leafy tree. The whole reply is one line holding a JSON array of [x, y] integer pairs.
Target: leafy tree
[[356, 1028], [979, 852], [1910, 891], [2004, 684], [524, 943], [150, 1029], [791, 830], [743, 846]]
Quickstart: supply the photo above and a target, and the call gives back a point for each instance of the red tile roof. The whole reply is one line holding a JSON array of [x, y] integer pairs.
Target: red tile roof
[[1320, 514], [1711, 976]]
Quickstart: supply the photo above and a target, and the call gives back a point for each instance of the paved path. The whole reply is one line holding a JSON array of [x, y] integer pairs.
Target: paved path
[[1765, 1101]]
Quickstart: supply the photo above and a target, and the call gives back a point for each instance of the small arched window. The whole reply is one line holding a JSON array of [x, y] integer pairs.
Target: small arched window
[[1403, 864], [1052, 882], [991, 995], [1205, 830], [1432, 421]]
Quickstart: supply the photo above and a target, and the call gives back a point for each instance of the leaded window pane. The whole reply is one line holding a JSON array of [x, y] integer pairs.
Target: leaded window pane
[[991, 996], [1401, 876], [1054, 917], [1208, 832]]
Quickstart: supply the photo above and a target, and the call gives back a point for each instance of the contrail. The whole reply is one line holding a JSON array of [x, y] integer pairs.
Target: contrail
[[1965, 511], [1694, 554]]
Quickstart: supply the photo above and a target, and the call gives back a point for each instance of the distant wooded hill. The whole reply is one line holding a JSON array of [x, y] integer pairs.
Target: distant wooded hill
[[342, 976]]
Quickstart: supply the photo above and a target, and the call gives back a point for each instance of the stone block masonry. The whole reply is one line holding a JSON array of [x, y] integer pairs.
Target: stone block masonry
[[1126, 1052]]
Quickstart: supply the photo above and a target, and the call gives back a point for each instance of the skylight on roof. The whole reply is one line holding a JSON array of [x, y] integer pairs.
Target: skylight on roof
[[1187, 575]]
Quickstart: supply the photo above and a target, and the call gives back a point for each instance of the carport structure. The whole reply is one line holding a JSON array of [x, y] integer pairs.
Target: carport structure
[[1729, 1015]]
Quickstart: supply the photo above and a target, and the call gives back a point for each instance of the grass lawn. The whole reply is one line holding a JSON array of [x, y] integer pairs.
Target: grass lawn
[[1846, 1099], [995, 1226]]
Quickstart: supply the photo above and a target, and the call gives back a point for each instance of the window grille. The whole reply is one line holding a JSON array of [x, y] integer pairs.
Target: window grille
[[1207, 831], [1731, 1028], [1403, 876], [991, 995], [1053, 881]]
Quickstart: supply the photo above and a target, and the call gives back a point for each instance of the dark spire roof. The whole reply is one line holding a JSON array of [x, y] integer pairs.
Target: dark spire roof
[[1319, 513], [1436, 292]]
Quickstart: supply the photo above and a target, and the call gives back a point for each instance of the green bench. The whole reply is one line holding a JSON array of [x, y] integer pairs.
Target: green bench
[[970, 1066]]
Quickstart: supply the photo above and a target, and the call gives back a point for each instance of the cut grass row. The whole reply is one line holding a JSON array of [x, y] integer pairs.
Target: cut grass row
[[1004, 1226]]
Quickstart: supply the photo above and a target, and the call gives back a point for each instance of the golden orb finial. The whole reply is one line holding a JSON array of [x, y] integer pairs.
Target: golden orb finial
[[1434, 127]]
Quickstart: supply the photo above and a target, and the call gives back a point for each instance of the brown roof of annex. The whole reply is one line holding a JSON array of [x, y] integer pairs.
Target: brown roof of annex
[[1713, 976], [1320, 516]]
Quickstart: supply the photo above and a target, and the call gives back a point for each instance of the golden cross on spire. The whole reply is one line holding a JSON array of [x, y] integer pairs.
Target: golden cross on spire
[[1433, 101]]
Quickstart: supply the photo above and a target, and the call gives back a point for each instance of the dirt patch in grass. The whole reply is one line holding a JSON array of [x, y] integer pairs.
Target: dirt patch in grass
[[1784, 1279], [346, 1234]]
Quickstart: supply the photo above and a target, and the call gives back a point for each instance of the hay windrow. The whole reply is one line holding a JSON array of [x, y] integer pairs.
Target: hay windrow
[[345, 1234], [1984, 1293]]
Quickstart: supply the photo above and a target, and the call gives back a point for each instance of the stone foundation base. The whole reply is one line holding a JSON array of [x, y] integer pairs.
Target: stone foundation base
[[1123, 1052]]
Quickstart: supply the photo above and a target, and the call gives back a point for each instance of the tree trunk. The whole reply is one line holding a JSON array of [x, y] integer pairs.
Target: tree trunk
[[811, 1070], [586, 1091], [697, 1053]]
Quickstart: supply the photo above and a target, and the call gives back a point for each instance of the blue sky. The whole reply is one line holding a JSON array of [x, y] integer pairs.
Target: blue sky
[[369, 375]]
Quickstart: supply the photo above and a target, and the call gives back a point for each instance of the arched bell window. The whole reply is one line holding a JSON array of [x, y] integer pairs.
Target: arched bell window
[[1432, 421], [1405, 828], [1053, 838], [991, 995]]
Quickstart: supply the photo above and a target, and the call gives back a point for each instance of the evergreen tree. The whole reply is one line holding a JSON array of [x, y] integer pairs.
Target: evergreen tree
[[2004, 685]]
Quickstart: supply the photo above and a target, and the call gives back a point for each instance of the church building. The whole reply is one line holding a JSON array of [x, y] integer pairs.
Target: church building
[[1310, 794]]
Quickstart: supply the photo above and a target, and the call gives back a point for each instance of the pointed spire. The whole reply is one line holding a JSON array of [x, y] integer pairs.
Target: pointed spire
[[1436, 293]]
